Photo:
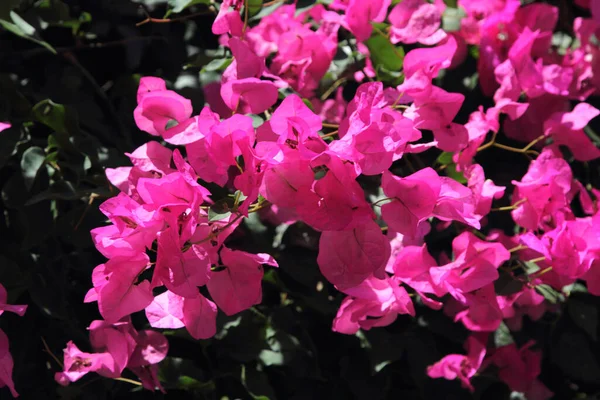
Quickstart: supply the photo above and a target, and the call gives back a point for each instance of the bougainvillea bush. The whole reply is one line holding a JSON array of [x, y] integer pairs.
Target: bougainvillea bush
[[300, 199]]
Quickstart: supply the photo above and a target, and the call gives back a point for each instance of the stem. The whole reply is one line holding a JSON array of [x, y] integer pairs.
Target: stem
[[537, 259], [397, 99], [149, 19], [542, 272], [533, 142], [511, 207], [245, 18], [380, 200], [270, 3], [334, 86], [517, 248], [488, 144], [334, 126], [129, 381], [47, 348], [525, 150], [330, 134]]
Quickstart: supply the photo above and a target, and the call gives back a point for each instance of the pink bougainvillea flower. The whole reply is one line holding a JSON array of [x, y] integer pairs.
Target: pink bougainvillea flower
[[238, 286], [416, 21], [6, 361], [336, 202], [180, 272], [4, 306], [116, 288], [6, 365], [229, 21], [200, 317], [483, 313], [457, 366], [531, 124], [166, 311], [360, 14], [152, 157], [348, 257], [4, 126], [290, 108], [519, 369], [414, 199], [475, 265], [157, 107], [245, 64], [566, 129], [249, 95], [412, 266], [151, 348], [543, 191], [430, 60], [78, 363], [456, 203], [484, 190], [374, 302]]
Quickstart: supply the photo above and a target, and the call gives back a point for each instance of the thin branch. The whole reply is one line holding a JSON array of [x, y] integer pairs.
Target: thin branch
[[149, 19]]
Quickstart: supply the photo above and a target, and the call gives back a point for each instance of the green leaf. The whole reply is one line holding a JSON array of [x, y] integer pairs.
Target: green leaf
[[218, 64], [445, 158], [33, 159], [257, 120], [63, 120], [21, 28], [454, 174], [451, 3], [451, 19], [254, 7], [384, 53], [219, 211], [178, 6], [549, 293], [502, 336], [265, 11]]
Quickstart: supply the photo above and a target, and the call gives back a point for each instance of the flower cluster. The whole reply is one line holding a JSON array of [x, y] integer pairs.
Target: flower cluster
[[304, 160], [6, 361]]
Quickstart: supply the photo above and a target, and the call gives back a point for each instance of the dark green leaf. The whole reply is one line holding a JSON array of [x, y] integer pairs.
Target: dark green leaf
[[502, 336], [445, 158], [254, 7], [33, 159], [454, 174], [583, 309], [178, 6], [218, 212], [63, 120], [218, 64], [61, 190], [265, 11], [384, 53], [22, 28]]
